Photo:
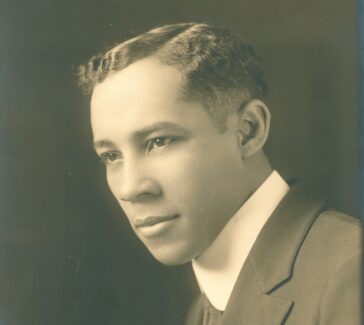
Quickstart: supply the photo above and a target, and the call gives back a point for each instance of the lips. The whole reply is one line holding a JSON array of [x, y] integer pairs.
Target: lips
[[151, 221]]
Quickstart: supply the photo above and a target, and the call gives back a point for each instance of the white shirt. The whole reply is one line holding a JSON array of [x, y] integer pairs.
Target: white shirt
[[217, 269]]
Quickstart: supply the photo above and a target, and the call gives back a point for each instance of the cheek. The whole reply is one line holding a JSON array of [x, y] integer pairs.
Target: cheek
[[191, 175], [112, 182]]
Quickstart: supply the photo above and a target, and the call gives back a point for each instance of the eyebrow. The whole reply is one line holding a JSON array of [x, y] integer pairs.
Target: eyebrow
[[103, 143], [142, 133]]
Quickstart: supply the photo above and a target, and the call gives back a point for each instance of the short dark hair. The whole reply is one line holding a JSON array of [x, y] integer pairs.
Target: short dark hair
[[217, 67]]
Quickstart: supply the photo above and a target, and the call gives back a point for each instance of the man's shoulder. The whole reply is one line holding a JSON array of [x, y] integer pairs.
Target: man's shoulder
[[318, 222], [337, 228], [337, 218], [333, 239]]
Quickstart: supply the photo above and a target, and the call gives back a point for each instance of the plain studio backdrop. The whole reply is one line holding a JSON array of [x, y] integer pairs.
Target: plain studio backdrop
[[67, 253]]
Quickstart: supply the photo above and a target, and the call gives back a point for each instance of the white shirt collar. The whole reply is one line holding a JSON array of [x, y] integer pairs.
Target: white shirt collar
[[217, 269]]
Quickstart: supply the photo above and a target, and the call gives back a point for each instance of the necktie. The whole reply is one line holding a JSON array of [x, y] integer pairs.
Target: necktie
[[211, 315]]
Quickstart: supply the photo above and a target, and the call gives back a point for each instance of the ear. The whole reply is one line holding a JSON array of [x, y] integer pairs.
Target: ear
[[254, 122]]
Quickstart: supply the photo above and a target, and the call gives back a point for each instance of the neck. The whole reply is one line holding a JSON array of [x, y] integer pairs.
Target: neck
[[259, 168]]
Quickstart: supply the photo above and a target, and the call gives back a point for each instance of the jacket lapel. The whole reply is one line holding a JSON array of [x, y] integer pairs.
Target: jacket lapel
[[270, 263]]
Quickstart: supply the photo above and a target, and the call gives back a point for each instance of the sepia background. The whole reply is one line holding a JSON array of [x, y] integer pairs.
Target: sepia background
[[67, 255]]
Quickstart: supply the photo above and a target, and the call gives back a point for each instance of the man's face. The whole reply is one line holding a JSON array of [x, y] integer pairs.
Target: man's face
[[176, 176]]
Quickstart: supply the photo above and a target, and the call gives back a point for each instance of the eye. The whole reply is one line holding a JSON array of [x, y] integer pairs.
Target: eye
[[158, 142], [110, 157]]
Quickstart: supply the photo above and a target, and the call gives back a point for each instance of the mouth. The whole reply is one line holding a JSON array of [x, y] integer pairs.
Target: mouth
[[154, 225]]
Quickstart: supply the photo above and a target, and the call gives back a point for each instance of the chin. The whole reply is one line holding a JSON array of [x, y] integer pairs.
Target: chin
[[171, 260], [172, 257]]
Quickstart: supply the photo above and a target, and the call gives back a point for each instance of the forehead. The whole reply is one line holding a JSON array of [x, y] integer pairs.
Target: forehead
[[144, 93], [146, 81]]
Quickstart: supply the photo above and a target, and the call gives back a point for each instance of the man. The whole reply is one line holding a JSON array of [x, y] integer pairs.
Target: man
[[179, 119]]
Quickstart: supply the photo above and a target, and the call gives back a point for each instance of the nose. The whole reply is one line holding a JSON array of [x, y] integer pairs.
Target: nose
[[133, 183]]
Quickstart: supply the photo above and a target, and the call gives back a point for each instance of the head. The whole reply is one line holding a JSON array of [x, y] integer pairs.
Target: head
[[179, 119]]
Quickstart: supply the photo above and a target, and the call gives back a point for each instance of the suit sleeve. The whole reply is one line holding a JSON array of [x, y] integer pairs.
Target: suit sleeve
[[341, 302]]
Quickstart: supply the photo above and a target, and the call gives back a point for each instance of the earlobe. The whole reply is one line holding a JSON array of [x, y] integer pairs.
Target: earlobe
[[254, 123]]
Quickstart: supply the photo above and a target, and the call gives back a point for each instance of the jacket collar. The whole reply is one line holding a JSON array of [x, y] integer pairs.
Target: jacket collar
[[271, 260]]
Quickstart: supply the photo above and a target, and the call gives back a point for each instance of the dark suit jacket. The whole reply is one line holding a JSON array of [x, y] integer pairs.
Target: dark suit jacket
[[304, 269]]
